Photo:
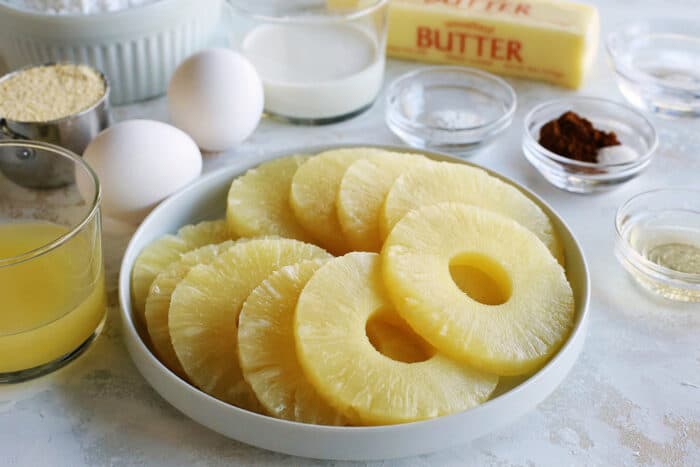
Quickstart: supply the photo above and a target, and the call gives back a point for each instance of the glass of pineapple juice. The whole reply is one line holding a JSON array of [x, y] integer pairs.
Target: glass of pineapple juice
[[52, 292]]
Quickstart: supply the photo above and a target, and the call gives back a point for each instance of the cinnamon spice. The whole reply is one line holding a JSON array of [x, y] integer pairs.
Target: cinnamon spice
[[574, 137]]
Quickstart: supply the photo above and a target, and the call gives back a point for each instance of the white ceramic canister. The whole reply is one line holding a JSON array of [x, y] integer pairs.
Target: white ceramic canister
[[138, 49]]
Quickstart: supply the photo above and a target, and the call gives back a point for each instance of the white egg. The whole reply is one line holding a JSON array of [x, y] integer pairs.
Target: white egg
[[139, 163], [217, 97]]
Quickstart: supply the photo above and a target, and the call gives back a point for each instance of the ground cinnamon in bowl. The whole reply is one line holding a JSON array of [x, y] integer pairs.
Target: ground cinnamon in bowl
[[575, 137]]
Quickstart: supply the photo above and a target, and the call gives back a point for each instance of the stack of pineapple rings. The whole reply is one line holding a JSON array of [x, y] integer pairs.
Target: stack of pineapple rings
[[444, 278]]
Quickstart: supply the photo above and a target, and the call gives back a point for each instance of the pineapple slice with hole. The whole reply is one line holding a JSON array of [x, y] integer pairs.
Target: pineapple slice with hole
[[459, 183], [523, 308], [204, 309], [258, 202], [361, 196], [156, 256], [314, 191], [158, 300], [267, 350], [334, 333], [392, 337]]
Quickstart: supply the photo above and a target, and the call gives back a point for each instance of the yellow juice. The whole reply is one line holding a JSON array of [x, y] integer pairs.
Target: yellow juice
[[49, 304]]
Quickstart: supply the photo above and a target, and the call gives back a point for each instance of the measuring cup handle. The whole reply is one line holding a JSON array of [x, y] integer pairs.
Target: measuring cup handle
[[6, 132]]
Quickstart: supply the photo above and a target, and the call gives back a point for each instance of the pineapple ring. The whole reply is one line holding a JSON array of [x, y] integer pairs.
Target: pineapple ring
[[158, 255], [444, 182], [350, 373], [362, 192], [158, 301], [267, 351], [258, 202], [314, 191], [528, 322], [204, 309]]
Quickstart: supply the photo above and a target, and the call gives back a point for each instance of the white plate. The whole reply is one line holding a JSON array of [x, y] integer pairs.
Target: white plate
[[206, 199]]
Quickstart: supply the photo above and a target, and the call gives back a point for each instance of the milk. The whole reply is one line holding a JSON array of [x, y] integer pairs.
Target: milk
[[315, 71]]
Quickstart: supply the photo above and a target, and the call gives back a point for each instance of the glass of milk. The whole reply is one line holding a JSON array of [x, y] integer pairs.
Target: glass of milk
[[321, 61]]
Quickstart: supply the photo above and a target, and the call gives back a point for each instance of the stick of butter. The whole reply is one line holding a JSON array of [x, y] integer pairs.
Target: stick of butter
[[549, 40]]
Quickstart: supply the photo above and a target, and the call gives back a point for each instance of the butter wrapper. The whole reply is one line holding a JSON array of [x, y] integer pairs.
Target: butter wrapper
[[549, 40]]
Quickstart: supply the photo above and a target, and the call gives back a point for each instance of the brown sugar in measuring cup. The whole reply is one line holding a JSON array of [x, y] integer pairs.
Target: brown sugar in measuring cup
[[574, 137]]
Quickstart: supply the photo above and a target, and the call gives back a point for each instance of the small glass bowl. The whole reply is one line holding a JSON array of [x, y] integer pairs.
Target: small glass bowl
[[632, 128], [448, 108], [656, 65], [658, 242]]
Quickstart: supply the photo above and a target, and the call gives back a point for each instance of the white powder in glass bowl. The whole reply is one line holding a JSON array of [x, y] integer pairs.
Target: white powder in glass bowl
[[75, 7]]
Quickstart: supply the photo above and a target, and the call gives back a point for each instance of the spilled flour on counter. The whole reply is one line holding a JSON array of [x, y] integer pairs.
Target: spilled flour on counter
[[75, 7]]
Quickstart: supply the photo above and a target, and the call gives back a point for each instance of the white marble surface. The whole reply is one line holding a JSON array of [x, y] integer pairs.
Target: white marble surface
[[633, 398]]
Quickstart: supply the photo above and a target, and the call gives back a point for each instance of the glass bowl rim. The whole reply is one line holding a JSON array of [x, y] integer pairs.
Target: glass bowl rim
[[616, 46], [543, 152], [662, 272], [413, 126], [349, 15], [75, 229]]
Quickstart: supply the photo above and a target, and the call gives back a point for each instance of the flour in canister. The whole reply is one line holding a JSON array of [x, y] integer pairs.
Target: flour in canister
[[45, 93], [75, 7]]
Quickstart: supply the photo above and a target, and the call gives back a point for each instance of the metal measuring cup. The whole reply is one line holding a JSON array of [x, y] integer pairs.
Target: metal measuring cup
[[73, 132]]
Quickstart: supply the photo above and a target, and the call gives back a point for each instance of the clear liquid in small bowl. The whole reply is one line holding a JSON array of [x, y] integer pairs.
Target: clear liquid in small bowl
[[667, 237], [681, 257], [670, 57], [671, 63], [673, 248], [659, 242]]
